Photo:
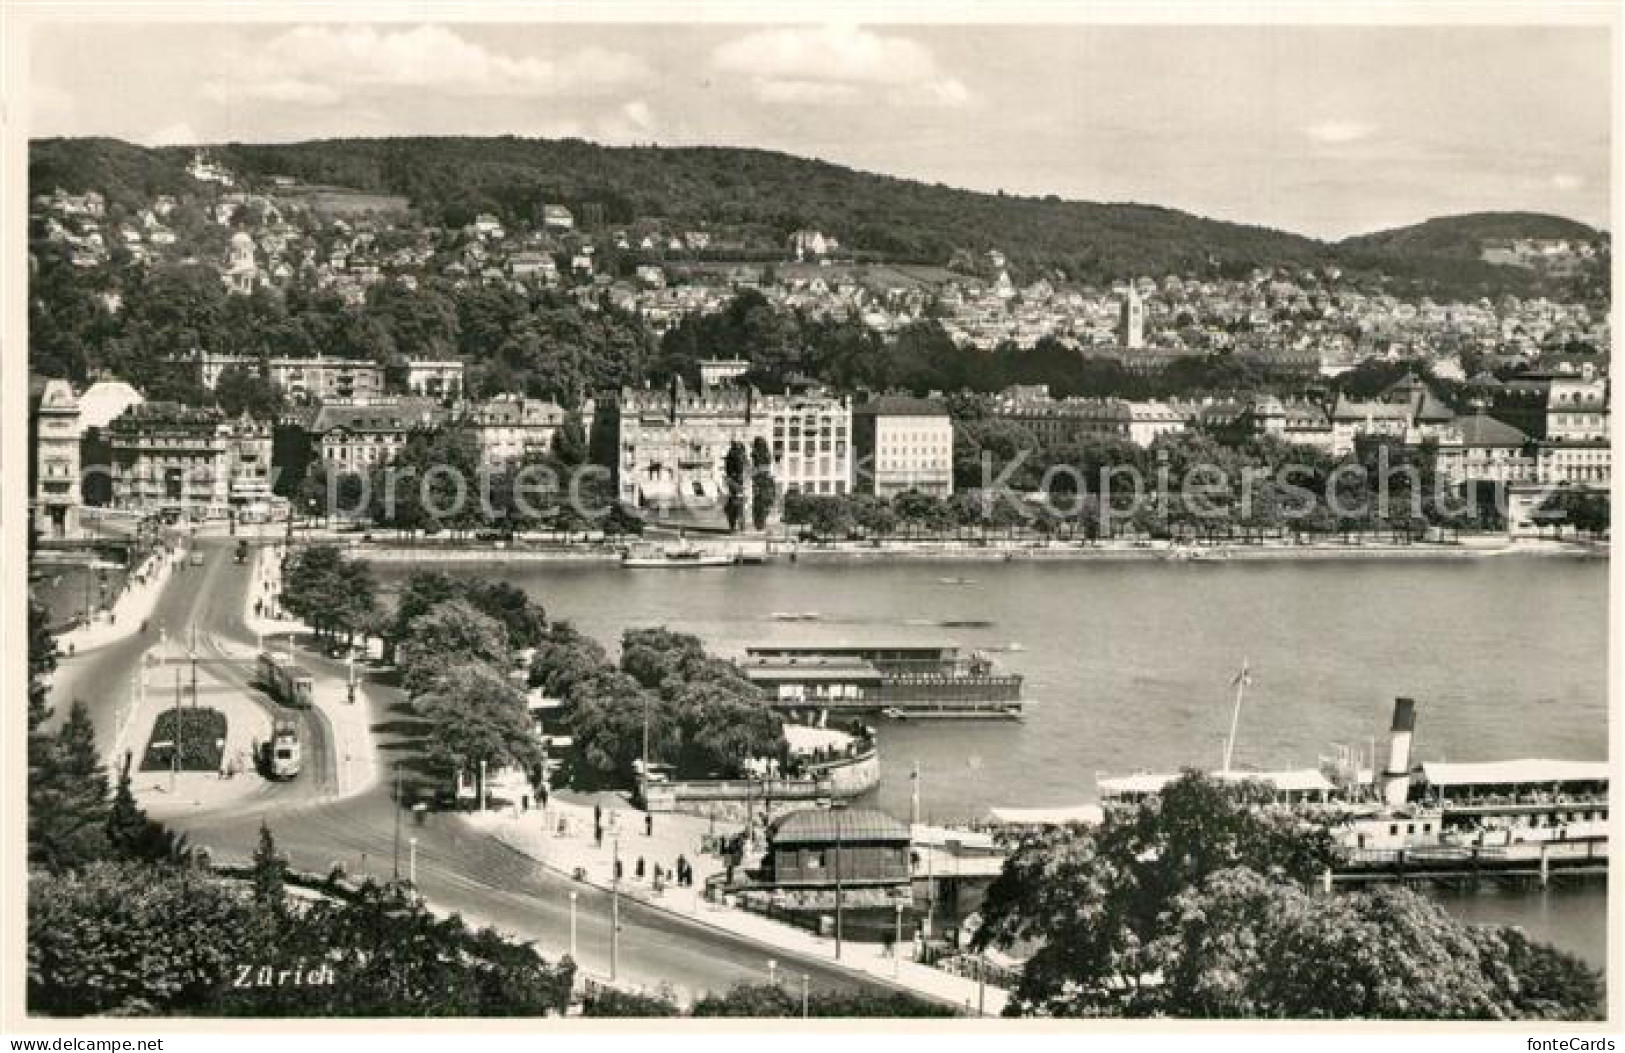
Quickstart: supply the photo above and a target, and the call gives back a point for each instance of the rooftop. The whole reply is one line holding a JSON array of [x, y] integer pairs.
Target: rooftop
[[902, 406], [818, 826], [1537, 772], [1303, 780]]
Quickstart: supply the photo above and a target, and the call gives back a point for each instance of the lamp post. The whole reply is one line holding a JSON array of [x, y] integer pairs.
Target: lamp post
[[615, 916], [897, 940], [981, 983], [573, 955], [772, 972], [398, 802], [412, 861], [839, 897]]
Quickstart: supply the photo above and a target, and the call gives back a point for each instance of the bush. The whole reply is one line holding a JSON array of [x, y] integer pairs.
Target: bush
[[200, 734]]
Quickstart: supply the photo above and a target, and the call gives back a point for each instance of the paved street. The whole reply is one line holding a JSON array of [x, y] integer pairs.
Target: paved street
[[458, 868]]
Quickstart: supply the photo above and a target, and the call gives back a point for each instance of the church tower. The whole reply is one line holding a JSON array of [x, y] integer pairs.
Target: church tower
[[1131, 320]]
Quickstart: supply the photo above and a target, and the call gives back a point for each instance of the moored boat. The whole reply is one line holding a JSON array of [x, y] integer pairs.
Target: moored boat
[[683, 555]]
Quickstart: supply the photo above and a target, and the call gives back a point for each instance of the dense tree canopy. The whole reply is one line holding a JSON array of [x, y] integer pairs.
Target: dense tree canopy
[[1200, 903]]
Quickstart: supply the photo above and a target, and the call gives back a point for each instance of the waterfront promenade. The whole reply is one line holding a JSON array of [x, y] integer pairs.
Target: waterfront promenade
[[575, 853], [396, 551]]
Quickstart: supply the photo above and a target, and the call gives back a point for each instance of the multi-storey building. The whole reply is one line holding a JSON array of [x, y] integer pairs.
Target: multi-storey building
[[57, 495], [319, 379], [1149, 421], [812, 442], [1056, 421], [170, 458], [903, 444], [360, 436], [1408, 412], [1481, 449], [248, 463], [1555, 407], [434, 378], [510, 428], [674, 443]]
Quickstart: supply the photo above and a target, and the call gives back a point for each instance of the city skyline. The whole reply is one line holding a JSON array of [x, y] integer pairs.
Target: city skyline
[[1279, 126]]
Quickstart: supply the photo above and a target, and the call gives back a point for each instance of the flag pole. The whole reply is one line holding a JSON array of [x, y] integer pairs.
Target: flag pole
[[1242, 679]]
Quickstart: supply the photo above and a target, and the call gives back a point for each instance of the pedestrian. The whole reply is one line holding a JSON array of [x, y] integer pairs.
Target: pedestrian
[[543, 792]]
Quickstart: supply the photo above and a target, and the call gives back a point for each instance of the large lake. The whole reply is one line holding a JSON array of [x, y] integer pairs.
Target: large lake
[[1129, 665]]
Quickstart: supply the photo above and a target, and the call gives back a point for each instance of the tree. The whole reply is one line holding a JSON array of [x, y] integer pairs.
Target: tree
[[1199, 903], [608, 1002], [68, 798], [771, 1000], [477, 719], [239, 390], [451, 632], [734, 466], [523, 619], [764, 490], [327, 590], [270, 872], [134, 940], [132, 835], [127, 940], [1094, 900]]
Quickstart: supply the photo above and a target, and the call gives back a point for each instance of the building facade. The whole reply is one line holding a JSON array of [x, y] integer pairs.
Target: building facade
[[358, 438], [434, 378], [903, 444], [57, 495], [248, 464], [811, 439], [511, 428], [673, 443], [318, 379], [171, 459]]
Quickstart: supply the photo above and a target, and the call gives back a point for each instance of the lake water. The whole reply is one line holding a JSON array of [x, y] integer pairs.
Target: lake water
[[1128, 665]]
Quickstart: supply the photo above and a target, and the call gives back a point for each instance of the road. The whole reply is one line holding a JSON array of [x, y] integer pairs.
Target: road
[[457, 868]]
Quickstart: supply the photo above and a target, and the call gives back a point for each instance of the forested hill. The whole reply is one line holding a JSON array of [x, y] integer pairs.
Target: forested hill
[[1464, 236], [755, 195], [753, 199]]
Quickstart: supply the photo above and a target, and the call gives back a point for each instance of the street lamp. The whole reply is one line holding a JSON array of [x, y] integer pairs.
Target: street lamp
[[615, 916], [897, 941], [412, 861], [772, 971]]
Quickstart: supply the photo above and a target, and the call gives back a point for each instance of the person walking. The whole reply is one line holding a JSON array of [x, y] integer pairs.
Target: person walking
[[648, 824]]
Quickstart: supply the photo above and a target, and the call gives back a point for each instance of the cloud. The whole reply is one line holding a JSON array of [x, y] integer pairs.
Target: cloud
[[325, 65], [837, 64], [1567, 181], [631, 122], [1339, 131]]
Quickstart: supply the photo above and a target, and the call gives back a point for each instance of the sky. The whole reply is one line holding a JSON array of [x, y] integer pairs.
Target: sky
[[1323, 130]]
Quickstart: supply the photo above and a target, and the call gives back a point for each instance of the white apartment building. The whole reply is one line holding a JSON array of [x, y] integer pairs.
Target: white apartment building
[[812, 443], [903, 444]]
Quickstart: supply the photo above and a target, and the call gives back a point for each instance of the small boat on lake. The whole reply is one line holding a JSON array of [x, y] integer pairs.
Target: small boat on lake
[[675, 556]]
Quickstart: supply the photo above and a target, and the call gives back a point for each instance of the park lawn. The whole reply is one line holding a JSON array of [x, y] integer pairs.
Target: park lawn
[[202, 734]]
